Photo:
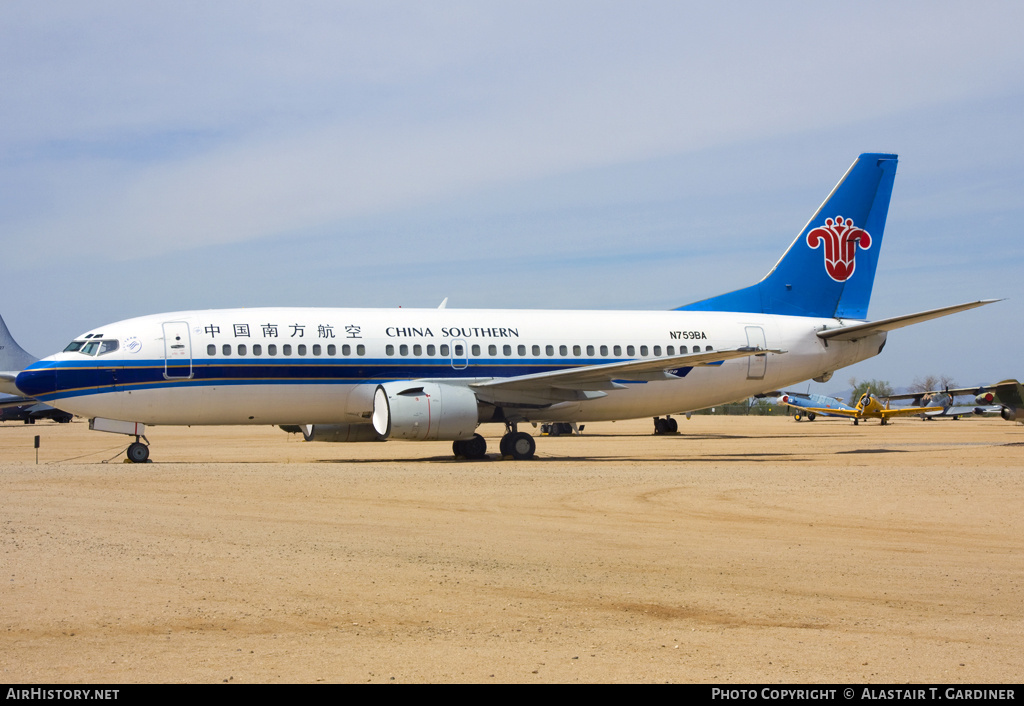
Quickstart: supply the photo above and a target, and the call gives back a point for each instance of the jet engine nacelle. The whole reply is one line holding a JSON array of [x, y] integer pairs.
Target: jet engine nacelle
[[1008, 413], [424, 411], [340, 432]]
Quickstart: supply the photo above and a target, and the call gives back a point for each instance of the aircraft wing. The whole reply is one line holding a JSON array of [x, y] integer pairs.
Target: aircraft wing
[[915, 395], [7, 378], [964, 410], [590, 381], [830, 411], [852, 333], [1007, 391], [906, 411]]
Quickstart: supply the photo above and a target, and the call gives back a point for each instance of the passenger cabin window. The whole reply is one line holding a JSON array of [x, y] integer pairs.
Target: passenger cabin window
[[617, 350], [604, 350], [563, 351], [535, 350], [241, 349], [671, 350], [506, 350], [590, 350], [271, 349], [286, 349], [360, 349], [211, 349], [301, 349], [630, 350], [475, 350], [226, 349], [257, 349], [657, 350]]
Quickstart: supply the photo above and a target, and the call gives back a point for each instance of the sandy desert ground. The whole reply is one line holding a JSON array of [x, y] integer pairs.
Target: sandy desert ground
[[740, 550]]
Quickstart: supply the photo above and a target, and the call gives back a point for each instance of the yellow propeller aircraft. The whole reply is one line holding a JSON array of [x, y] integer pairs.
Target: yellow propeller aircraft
[[868, 407]]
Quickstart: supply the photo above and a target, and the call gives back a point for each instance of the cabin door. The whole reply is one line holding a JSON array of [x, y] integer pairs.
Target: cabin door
[[177, 350], [757, 364]]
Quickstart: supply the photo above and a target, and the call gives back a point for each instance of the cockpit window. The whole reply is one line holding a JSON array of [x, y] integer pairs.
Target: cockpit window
[[93, 347]]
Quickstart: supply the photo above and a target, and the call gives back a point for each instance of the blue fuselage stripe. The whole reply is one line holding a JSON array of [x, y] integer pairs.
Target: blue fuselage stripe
[[49, 380]]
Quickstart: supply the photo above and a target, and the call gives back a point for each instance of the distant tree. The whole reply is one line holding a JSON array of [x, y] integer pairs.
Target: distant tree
[[878, 388], [930, 383]]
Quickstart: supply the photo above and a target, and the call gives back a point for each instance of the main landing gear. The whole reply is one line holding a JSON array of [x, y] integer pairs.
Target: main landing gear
[[476, 447], [515, 444], [668, 425]]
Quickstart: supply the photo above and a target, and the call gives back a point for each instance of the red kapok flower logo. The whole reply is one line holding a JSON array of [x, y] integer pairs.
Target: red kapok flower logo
[[841, 239]]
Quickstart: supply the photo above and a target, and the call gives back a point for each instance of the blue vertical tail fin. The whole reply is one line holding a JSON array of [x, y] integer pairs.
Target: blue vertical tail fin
[[828, 271]]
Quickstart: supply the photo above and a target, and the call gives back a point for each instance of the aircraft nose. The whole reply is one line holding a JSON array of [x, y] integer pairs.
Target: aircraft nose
[[37, 381]]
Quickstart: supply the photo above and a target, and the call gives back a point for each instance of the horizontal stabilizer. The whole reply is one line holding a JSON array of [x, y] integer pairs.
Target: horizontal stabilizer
[[852, 333], [6, 402], [7, 385]]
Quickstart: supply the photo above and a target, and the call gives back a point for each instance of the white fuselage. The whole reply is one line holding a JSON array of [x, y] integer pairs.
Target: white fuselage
[[321, 366]]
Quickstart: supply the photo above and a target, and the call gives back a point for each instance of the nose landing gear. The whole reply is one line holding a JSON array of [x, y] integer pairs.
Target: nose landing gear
[[138, 452]]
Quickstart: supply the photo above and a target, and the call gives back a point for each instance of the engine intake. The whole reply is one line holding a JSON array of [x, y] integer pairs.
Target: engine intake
[[424, 411]]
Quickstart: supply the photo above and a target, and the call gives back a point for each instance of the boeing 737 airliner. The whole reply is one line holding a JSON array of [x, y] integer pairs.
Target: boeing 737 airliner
[[436, 374]]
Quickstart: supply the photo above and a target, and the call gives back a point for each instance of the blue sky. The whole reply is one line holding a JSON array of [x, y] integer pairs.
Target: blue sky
[[166, 156]]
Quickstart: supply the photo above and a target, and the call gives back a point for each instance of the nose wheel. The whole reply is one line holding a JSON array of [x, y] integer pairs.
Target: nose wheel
[[138, 452]]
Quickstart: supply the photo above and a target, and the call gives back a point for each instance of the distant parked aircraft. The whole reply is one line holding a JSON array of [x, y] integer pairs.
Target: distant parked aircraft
[[946, 398], [1006, 397], [868, 407], [803, 403], [13, 409]]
